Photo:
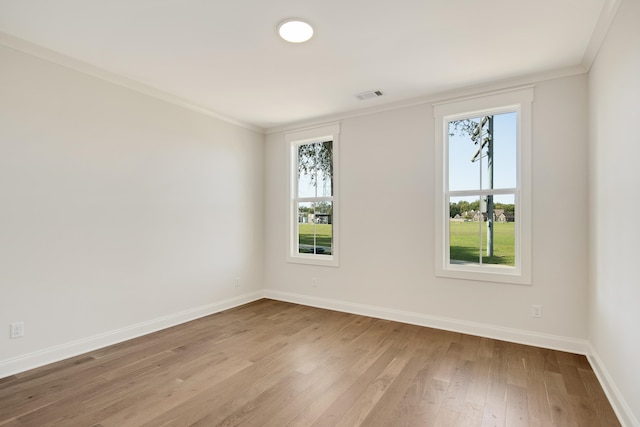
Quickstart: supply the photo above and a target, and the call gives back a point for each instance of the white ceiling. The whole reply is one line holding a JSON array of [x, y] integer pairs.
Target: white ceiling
[[225, 56]]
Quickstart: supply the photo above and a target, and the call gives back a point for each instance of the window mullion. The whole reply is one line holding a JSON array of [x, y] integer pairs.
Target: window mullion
[[314, 199], [461, 193]]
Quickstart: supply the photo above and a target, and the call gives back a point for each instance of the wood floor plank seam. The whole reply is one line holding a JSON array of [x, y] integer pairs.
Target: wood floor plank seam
[[273, 363]]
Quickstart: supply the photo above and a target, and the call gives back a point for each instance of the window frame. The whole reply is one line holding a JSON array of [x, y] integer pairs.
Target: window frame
[[517, 100], [329, 132]]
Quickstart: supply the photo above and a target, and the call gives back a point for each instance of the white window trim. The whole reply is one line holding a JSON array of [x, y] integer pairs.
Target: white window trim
[[519, 100], [307, 136]]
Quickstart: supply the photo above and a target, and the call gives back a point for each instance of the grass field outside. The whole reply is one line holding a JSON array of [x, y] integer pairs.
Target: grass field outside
[[464, 242], [323, 238]]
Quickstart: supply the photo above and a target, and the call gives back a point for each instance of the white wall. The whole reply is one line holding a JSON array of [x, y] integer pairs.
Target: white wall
[[387, 223], [119, 213], [614, 303]]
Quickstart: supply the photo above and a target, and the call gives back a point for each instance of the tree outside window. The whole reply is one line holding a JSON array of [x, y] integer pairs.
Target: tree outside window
[[483, 187], [313, 180]]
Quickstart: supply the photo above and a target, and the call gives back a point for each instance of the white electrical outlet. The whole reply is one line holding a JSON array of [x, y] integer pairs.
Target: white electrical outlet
[[536, 311], [314, 282], [16, 329], [237, 282]]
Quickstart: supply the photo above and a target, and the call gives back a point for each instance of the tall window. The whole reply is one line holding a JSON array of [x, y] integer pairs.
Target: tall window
[[314, 220], [484, 179]]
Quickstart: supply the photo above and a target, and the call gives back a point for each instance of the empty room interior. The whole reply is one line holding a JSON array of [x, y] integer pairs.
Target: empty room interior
[[423, 214]]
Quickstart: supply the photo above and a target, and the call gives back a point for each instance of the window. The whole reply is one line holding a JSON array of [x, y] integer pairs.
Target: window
[[483, 194], [313, 225]]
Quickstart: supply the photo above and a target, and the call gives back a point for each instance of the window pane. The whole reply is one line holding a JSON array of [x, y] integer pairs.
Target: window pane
[[474, 239], [463, 173], [315, 228], [482, 152], [306, 229], [504, 251], [500, 164], [315, 169], [465, 227]]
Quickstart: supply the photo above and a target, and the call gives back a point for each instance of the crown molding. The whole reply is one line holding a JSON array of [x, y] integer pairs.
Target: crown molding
[[606, 18], [438, 97], [57, 58], [607, 15]]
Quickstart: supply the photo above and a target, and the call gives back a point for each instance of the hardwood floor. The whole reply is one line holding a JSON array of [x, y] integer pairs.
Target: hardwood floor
[[271, 363]]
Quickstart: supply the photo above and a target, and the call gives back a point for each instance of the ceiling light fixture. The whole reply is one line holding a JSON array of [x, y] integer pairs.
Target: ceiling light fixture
[[295, 30]]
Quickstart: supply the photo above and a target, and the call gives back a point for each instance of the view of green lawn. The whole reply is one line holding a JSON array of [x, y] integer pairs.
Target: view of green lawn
[[464, 241], [323, 236]]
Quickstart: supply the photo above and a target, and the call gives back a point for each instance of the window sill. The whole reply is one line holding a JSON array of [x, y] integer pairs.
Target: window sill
[[505, 275], [324, 261]]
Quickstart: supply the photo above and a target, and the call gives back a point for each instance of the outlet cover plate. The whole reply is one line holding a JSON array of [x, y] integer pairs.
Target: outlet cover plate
[[536, 311], [16, 329]]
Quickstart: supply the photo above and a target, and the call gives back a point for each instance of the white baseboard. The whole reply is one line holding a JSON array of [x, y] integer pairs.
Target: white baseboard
[[54, 354], [553, 342], [620, 406]]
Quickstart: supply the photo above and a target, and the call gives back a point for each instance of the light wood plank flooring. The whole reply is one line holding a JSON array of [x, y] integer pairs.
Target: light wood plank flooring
[[271, 363]]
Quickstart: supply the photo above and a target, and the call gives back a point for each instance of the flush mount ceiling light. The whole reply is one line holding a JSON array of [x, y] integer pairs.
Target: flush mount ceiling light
[[295, 30]]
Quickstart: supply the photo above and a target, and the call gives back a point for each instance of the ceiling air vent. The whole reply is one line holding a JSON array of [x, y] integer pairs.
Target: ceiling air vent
[[368, 95]]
